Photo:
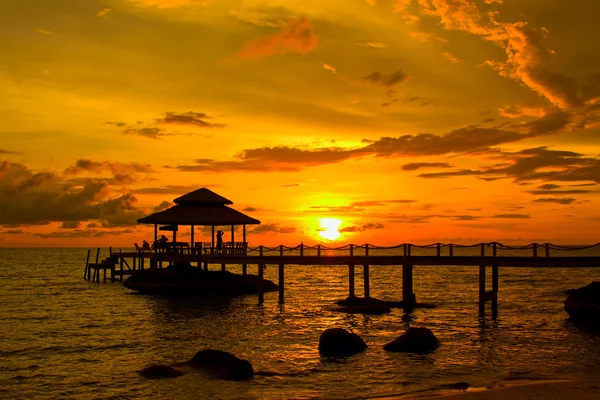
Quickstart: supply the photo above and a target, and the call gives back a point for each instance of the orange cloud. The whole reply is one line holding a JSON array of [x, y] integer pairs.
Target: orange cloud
[[297, 36]]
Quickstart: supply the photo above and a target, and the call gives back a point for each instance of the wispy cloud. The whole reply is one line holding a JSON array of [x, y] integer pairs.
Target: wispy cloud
[[297, 36]]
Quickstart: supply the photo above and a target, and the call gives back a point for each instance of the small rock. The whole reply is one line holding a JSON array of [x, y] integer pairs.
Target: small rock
[[414, 340], [160, 371], [338, 342], [583, 304]]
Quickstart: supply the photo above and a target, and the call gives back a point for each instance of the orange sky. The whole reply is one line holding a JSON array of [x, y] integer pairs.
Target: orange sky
[[409, 120]]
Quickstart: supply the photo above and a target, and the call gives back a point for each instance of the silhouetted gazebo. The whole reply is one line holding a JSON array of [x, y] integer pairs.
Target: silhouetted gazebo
[[202, 207]]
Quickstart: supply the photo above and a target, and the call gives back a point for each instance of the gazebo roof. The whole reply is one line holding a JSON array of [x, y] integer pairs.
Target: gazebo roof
[[200, 207], [202, 196]]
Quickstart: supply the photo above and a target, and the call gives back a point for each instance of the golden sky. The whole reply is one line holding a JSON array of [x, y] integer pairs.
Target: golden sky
[[409, 121]]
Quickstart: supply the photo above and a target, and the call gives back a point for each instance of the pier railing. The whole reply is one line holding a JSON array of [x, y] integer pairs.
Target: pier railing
[[435, 249]]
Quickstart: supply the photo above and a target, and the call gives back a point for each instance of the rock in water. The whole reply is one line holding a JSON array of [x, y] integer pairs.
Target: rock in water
[[583, 304], [361, 305], [160, 371], [414, 340], [338, 342], [222, 365]]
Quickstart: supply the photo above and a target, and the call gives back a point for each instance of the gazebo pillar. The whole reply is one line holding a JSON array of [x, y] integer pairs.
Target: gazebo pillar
[[174, 233], [155, 232], [213, 237], [192, 237], [232, 238], [244, 233]]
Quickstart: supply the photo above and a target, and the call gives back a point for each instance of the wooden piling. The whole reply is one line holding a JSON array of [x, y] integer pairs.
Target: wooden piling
[[408, 297], [281, 283], [96, 272], [495, 288], [244, 269], [261, 294], [366, 281], [351, 280], [223, 267], [121, 268], [482, 288], [87, 265]]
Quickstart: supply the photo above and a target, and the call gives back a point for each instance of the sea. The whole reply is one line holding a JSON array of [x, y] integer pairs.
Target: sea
[[62, 337]]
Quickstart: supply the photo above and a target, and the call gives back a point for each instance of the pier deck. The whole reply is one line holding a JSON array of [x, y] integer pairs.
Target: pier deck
[[481, 255]]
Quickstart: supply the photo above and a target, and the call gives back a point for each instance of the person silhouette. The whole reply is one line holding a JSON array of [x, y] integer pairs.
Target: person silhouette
[[219, 240]]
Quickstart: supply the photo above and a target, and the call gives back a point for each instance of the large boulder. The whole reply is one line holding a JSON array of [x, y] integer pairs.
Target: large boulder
[[160, 371], [222, 365], [338, 342], [583, 304], [414, 340]]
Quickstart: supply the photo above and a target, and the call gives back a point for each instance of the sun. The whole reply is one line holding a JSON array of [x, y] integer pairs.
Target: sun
[[329, 228]]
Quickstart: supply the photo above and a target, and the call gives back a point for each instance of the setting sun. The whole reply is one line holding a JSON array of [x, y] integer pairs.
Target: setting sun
[[329, 228]]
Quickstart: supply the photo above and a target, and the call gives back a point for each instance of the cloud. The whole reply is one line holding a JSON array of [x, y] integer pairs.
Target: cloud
[[297, 36], [80, 233], [103, 13], [150, 133], [13, 232], [362, 228], [374, 45], [187, 118], [416, 166], [45, 32], [329, 68], [2, 151], [273, 228], [377, 203], [387, 80], [70, 225], [549, 186], [511, 216], [450, 57], [163, 4], [162, 206], [37, 198], [566, 200], [122, 173], [171, 189]]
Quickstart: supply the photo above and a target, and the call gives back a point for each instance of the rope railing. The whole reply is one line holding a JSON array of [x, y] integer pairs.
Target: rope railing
[[351, 249]]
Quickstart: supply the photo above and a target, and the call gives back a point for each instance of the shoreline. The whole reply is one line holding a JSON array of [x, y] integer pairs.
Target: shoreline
[[548, 389]]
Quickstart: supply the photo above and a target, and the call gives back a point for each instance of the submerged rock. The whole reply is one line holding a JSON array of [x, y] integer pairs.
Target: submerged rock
[[222, 365], [414, 340], [338, 342], [184, 279], [160, 371], [583, 304], [362, 305]]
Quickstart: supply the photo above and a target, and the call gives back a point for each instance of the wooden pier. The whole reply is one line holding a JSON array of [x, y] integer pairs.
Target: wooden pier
[[481, 255]]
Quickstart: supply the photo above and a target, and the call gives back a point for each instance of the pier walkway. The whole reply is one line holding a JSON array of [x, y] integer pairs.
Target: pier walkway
[[482, 255]]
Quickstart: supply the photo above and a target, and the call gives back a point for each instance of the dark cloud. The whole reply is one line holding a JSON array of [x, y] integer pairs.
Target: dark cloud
[[31, 198], [566, 200], [549, 186], [547, 192], [13, 232], [2, 151], [273, 228], [162, 206], [509, 216], [416, 166], [364, 227], [538, 163], [196, 119], [171, 189], [150, 133], [70, 225], [377, 203], [122, 173], [386, 80], [80, 233], [465, 217]]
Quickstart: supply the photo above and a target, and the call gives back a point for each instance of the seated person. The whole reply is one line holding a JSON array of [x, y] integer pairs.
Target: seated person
[[146, 246]]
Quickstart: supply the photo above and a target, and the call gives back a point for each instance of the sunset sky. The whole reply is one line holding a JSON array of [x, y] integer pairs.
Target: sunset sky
[[415, 121]]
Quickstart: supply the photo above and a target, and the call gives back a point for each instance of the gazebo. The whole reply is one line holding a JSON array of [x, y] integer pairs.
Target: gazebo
[[202, 207]]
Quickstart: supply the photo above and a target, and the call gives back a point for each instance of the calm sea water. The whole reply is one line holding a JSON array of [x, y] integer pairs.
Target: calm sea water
[[63, 337]]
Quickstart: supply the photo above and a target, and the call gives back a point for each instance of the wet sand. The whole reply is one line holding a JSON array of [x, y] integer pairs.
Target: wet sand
[[588, 389]]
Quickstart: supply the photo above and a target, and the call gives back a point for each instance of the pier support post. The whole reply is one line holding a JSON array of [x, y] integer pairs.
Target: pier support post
[[223, 267], [351, 280], [205, 265], [244, 269], [366, 281], [495, 289], [281, 283], [121, 268], [96, 272], [482, 289], [87, 265], [261, 294], [408, 297]]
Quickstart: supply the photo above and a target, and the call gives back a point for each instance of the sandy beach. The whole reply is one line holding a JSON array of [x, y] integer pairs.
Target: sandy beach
[[588, 389]]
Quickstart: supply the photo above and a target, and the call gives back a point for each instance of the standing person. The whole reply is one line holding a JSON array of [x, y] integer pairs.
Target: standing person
[[219, 240]]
